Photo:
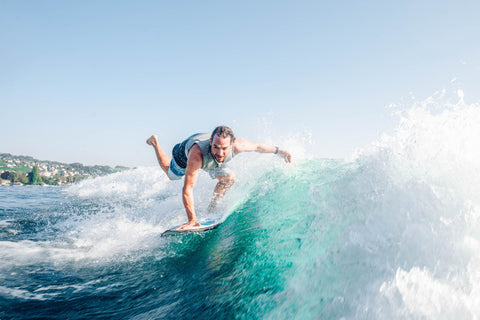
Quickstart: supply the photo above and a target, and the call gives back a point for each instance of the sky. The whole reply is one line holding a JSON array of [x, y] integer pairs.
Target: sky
[[90, 81]]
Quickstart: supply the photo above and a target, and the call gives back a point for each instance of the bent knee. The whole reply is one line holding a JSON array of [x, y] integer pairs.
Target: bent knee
[[228, 179]]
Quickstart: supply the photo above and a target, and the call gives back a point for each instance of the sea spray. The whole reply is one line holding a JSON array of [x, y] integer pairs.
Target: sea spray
[[434, 158]]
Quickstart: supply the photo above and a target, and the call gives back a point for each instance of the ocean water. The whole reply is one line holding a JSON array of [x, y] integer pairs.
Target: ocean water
[[391, 233]]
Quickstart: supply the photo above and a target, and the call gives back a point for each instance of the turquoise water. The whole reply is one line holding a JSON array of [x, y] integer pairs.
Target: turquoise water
[[391, 233]]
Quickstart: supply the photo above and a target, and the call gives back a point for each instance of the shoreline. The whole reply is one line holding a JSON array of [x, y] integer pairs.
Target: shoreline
[[3, 183], [35, 185]]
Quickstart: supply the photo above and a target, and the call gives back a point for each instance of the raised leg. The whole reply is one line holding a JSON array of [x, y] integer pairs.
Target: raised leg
[[162, 157]]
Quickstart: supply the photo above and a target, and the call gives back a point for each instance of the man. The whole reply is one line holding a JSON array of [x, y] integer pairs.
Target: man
[[210, 153]]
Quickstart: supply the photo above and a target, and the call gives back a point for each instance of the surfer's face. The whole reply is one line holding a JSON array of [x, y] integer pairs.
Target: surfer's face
[[220, 147]]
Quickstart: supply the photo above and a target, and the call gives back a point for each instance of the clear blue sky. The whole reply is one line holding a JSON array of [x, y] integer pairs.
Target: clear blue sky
[[89, 81]]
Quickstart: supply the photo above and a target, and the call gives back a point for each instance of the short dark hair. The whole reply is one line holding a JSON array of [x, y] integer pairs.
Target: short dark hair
[[223, 132]]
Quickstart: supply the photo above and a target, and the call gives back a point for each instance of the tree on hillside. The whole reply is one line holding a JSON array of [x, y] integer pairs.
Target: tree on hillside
[[20, 177], [7, 175], [33, 177]]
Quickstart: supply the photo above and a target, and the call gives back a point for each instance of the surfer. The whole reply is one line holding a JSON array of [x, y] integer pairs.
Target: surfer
[[209, 152]]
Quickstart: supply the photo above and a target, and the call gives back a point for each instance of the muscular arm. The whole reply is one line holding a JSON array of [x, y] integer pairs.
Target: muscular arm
[[194, 164], [242, 145]]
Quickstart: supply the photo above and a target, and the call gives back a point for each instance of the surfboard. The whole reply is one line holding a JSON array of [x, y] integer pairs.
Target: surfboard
[[207, 225]]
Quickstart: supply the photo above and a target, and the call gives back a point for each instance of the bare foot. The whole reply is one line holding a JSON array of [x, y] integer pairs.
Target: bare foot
[[153, 141], [189, 225]]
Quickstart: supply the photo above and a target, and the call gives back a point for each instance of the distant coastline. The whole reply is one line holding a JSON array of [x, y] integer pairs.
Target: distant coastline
[[25, 170]]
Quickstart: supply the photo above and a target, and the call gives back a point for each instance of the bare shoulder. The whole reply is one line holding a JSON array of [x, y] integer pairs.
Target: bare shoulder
[[195, 157]]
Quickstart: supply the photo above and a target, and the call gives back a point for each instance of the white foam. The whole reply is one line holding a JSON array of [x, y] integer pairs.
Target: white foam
[[106, 238], [94, 239], [423, 295], [143, 182], [437, 140], [437, 146], [22, 294]]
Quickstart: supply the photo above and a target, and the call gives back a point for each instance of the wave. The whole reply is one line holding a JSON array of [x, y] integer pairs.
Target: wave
[[392, 233]]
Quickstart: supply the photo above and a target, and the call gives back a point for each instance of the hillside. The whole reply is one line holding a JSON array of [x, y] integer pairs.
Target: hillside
[[20, 170]]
